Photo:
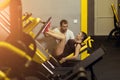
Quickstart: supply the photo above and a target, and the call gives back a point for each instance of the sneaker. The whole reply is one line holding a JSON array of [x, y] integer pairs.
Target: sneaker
[[46, 28]]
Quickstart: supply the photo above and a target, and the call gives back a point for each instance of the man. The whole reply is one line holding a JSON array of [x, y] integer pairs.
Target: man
[[61, 34], [64, 30]]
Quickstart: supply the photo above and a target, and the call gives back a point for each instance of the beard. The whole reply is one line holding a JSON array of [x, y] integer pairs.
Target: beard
[[63, 31]]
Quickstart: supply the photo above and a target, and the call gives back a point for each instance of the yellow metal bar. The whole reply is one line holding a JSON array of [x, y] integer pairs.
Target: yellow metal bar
[[84, 24], [39, 56], [31, 24], [32, 34], [15, 50], [115, 12], [84, 16], [84, 55], [3, 76], [4, 3], [26, 16]]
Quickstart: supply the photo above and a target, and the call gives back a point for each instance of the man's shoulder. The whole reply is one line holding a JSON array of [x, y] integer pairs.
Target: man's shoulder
[[69, 31], [56, 29]]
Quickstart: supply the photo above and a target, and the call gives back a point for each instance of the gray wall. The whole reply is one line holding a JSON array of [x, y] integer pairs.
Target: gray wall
[[58, 9]]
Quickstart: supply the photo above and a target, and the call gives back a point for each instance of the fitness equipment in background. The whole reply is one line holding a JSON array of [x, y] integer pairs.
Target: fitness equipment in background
[[88, 41], [115, 33], [16, 39]]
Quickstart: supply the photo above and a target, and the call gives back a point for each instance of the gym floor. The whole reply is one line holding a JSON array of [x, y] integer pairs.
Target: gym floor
[[109, 67]]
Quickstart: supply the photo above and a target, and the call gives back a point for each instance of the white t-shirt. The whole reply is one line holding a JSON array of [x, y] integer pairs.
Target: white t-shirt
[[69, 34]]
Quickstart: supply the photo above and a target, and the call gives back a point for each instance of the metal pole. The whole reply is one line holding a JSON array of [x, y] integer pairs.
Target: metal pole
[[16, 18]]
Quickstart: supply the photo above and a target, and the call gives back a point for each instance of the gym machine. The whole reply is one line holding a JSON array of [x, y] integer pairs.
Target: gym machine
[[96, 54], [15, 40], [115, 33], [18, 43]]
